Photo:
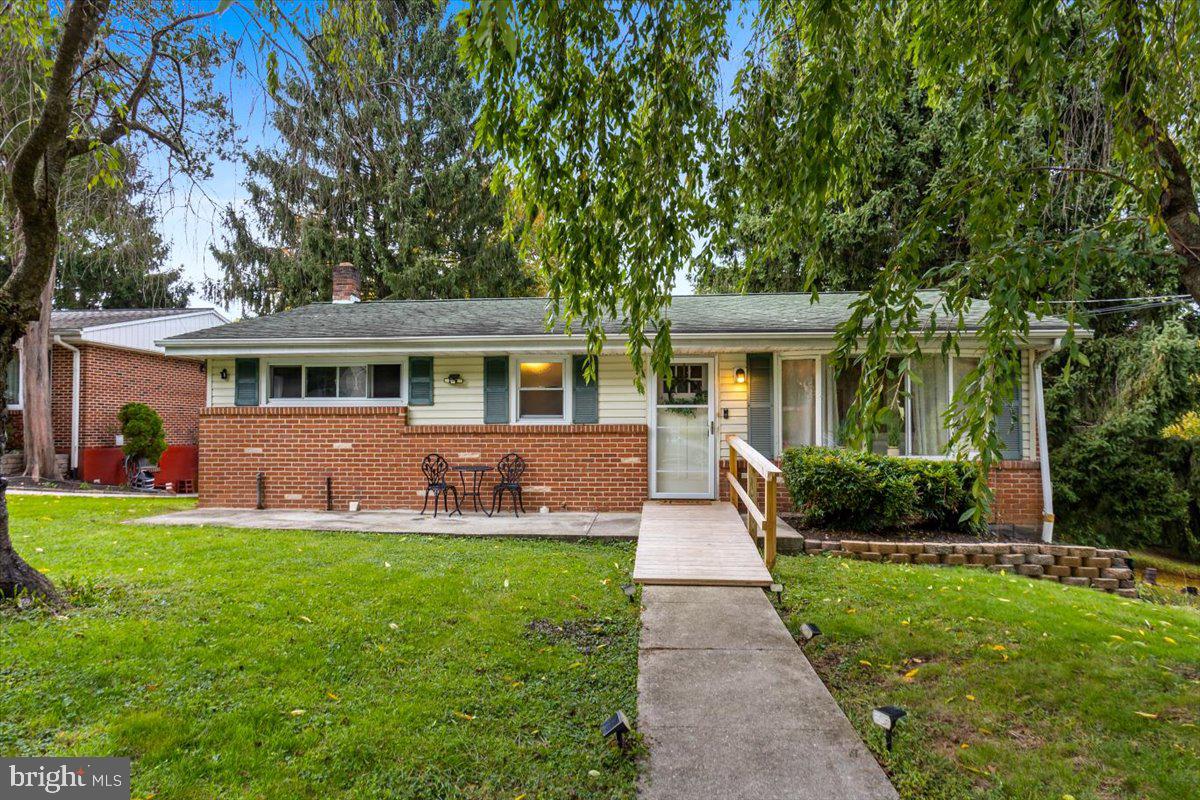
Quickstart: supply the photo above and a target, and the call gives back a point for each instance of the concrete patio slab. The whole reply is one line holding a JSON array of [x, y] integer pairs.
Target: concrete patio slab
[[729, 707], [565, 526]]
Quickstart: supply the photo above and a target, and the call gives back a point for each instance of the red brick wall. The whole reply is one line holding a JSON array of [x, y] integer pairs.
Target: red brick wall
[[374, 457], [112, 377], [60, 396], [1018, 489]]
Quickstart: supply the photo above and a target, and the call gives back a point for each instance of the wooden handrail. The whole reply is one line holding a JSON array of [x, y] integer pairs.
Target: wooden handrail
[[758, 466]]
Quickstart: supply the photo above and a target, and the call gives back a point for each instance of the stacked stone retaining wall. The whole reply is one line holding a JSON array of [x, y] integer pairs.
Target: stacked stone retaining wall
[[1072, 565]]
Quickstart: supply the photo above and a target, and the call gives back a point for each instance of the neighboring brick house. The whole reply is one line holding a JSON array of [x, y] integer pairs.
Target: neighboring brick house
[[350, 396], [99, 361]]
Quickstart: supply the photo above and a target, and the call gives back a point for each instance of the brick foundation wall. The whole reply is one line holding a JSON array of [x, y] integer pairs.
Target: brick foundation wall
[[1018, 495], [1017, 486], [374, 457]]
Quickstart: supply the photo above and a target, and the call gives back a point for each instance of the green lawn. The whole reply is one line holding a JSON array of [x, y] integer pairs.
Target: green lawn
[[243, 664], [1014, 688]]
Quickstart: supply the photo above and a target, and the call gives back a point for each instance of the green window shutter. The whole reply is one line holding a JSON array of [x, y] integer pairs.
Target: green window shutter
[[586, 400], [495, 390], [420, 381], [245, 382], [1008, 427], [759, 415]]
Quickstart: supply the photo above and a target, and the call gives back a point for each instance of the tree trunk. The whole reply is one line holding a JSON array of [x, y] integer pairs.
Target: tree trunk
[[16, 577], [40, 463]]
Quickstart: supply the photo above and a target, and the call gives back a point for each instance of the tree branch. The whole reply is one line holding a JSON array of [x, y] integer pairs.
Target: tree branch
[[83, 21], [121, 123]]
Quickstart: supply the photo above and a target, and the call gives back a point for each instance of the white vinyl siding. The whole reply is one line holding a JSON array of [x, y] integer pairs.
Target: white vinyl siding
[[220, 392], [732, 397], [620, 401], [460, 404], [142, 334]]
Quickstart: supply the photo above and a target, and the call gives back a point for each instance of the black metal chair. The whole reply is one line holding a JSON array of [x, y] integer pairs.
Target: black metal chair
[[511, 468], [435, 468]]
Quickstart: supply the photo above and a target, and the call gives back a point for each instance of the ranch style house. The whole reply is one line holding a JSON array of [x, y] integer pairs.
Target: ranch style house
[[333, 404]]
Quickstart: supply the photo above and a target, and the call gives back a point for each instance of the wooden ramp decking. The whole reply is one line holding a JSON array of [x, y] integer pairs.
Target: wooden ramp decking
[[696, 544]]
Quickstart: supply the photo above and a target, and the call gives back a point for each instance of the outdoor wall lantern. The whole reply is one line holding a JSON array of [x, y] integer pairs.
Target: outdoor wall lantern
[[886, 717], [616, 724], [739, 375], [224, 374], [454, 379]]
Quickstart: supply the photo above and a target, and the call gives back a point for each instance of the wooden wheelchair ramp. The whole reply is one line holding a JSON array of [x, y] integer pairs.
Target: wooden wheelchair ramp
[[696, 544]]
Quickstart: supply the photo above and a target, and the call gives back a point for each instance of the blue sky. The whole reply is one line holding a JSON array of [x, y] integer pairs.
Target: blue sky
[[191, 228]]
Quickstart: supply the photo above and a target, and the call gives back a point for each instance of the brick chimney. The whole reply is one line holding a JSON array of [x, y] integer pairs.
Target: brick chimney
[[347, 283]]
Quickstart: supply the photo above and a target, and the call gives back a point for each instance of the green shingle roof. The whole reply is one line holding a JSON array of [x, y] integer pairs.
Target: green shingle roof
[[525, 316]]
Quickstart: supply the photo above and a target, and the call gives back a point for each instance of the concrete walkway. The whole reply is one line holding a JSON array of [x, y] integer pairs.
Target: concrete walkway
[[564, 526], [730, 708]]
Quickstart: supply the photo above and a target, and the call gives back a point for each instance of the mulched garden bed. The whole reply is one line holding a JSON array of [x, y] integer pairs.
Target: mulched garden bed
[[1000, 534]]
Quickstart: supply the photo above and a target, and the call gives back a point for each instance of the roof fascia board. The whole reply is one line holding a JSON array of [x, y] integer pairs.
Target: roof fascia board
[[213, 348]]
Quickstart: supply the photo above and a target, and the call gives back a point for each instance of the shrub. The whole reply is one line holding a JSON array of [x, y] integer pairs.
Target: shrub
[[142, 428], [1124, 451], [862, 491]]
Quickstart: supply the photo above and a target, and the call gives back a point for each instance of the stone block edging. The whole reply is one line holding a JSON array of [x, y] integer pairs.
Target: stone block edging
[[1073, 565]]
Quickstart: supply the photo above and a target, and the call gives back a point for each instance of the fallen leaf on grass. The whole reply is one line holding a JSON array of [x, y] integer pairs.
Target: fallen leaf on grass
[[461, 715], [1169, 640], [911, 674], [332, 696], [1146, 715], [971, 697], [864, 662], [296, 712], [305, 619]]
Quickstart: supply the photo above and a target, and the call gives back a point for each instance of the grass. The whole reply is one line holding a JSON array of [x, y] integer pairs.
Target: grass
[[1014, 688], [249, 664]]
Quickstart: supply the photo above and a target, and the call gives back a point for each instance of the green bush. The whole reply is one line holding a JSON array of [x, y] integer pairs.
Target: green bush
[[1123, 454], [142, 428], [861, 491]]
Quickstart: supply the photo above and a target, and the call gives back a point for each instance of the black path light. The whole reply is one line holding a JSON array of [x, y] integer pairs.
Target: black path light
[[776, 591], [630, 591], [886, 717], [617, 724], [809, 631]]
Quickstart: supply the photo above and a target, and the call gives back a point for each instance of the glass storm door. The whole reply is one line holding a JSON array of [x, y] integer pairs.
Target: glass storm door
[[684, 436]]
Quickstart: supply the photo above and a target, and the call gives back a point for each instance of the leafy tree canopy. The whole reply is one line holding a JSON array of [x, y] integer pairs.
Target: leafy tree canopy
[[379, 170], [611, 123]]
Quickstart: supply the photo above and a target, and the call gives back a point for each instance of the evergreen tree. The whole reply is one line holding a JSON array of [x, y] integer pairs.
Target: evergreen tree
[[380, 172]]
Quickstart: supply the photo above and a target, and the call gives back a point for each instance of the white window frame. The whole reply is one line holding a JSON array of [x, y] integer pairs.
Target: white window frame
[[825, 435], [777, 395], [951, 456], [20, 404], [305, 363], [568, 389]]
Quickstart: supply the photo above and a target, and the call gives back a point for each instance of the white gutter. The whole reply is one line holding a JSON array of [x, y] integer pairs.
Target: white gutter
[[1042, 444], [58, 340]]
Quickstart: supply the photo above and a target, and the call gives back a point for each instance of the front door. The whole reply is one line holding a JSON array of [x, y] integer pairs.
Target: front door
[[683, 434]]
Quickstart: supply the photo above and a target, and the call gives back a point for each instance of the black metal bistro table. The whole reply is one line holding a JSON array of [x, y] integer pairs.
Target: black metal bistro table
[[477, 472]]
